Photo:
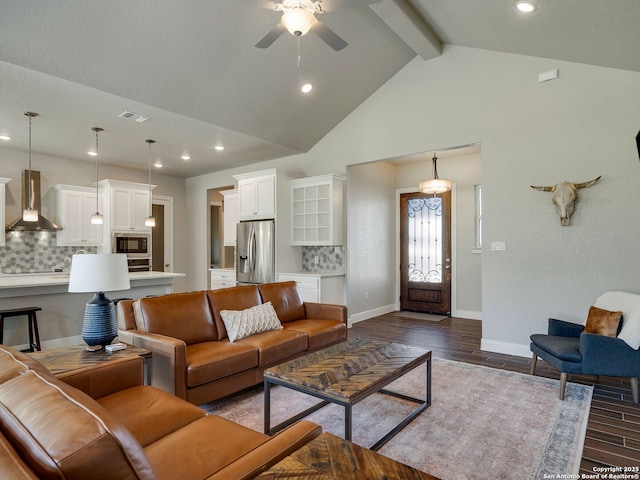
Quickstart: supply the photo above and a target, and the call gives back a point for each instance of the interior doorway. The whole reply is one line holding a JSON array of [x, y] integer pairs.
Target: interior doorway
[[425, 252], [161, 234]]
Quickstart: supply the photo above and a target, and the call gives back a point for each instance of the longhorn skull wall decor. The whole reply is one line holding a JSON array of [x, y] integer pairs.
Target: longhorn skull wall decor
[[565, 195]]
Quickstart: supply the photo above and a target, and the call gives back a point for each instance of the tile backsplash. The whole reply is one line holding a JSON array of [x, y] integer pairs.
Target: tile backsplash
[[329, 259], [29, 252]]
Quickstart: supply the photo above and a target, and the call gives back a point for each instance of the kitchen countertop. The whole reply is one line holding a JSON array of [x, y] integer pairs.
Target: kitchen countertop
[[314, 274], [17, 280]]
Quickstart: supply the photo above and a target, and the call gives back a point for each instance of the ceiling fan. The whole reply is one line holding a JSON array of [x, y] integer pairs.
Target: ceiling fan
[[299, 18]]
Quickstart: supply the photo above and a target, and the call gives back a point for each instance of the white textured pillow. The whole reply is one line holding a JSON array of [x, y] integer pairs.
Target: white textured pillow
[[243, 323], [629, 303]]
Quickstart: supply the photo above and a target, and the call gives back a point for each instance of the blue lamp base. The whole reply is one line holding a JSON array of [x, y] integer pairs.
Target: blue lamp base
[[100, 326]]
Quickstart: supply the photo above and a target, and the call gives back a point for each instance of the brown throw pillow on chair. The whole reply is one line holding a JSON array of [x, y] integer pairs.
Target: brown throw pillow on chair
[[603, 322]]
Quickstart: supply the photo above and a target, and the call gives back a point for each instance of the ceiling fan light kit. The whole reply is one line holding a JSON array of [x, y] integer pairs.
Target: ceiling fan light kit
[[298, 21]]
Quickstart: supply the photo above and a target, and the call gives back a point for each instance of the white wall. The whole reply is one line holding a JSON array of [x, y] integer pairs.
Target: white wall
[[576, 128]]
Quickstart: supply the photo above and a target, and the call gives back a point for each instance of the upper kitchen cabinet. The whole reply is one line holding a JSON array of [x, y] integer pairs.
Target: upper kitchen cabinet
[[3, 181], [127, 206], [230, 206], [257, 195], [74, 207], [317, 210]]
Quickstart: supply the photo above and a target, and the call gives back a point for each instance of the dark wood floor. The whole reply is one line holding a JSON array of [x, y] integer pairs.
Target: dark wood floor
[[613, 431]]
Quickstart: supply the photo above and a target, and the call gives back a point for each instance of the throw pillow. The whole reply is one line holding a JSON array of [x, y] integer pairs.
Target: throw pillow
[[244, 323], [629, 303], [603, 322]]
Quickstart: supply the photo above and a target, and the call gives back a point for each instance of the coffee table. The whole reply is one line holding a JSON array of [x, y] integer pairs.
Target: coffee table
[[328, 457], [346, 374]]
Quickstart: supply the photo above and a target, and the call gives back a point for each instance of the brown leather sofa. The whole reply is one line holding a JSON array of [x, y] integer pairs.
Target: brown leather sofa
[[101, 423], [192, 355]]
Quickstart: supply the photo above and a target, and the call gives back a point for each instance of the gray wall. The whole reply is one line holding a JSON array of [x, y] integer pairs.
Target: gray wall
[[576, 127]]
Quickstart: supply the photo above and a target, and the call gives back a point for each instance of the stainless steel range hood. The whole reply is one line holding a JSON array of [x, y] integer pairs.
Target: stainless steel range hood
[[42, 224]]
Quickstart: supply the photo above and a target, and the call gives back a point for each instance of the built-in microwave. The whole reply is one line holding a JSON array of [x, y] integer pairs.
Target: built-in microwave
[[134, 245]]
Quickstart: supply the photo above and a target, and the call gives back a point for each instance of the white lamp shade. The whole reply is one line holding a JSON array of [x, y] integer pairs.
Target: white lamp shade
[[435, 186], [99, 272]]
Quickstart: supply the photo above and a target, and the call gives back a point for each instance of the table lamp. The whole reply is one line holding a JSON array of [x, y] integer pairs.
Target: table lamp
[[100, 273]]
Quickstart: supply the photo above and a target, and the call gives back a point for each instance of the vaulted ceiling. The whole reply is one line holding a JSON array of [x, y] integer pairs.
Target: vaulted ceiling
[[193, 69]]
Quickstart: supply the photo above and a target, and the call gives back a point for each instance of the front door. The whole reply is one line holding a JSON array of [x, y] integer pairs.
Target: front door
[[425, 252]]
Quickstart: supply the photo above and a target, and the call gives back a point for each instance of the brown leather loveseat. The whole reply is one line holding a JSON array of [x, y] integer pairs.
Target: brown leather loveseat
[[101, 423], [192, 355]]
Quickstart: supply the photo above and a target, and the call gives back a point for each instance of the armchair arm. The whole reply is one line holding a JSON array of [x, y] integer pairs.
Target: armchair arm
[[168, 361], [326, 311], [603, 355], [562, 328], [106, 378], [270, 452]]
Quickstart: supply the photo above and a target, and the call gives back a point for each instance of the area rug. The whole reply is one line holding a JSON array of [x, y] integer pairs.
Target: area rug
[[420, 316], [483, 423]]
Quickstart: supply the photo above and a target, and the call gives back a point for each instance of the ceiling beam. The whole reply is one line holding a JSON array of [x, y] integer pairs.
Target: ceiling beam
[[410, 26]]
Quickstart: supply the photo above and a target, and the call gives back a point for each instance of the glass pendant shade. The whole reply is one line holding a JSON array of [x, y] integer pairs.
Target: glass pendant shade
[[97, 219], [30, 215], [435, 185], [150, 221]]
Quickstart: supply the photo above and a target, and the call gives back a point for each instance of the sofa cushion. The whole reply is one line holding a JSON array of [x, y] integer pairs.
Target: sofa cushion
[[244, 323], [14, 363], [276, 346], [150, 413], [285, 298], [235, 298], [321, 333], [62, 433], [11, 465], [176, 456], [186, 316], [210, 361]]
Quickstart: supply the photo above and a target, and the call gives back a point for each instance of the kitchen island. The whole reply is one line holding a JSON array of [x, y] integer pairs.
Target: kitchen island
[[60, 321]]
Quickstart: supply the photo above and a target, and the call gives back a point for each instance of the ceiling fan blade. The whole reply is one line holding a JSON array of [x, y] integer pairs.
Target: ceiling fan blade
[[272, 36], [328, 36], [333, 5]]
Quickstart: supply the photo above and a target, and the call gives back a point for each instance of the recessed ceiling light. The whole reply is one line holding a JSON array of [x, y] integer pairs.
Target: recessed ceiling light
[[219, 148], [6, 138], [526, 7], [185, 157], [92, 153], [306, 88], [158, 164]]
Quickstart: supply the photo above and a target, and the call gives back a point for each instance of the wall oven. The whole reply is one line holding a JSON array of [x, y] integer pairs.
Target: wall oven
[[137, 248]]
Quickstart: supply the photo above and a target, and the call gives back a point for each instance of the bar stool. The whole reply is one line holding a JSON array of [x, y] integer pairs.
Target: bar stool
[[30, 313]]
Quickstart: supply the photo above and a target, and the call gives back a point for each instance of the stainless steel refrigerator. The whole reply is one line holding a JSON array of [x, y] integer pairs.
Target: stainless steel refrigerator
[[255, 252]]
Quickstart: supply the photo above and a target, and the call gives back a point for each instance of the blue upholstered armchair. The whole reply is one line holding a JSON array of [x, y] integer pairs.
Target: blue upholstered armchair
[[568, 348]]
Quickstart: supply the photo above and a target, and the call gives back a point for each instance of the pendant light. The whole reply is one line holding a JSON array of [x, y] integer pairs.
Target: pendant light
[[435, 185], [30, 214], [96, 218], [150, 221]]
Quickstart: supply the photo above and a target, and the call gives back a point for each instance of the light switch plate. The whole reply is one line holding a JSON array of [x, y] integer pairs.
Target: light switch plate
[[498, 246]]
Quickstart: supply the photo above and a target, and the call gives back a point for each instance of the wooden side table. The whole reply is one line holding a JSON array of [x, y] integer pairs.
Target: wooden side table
[[74, 357], [328, 457]]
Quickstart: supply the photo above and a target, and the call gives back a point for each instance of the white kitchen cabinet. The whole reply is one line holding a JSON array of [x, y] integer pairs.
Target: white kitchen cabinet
[[3, 182], [222, 278], [317, 210], [257, 195], [74, 207], [318, 287], [128, 205], [230, 209]]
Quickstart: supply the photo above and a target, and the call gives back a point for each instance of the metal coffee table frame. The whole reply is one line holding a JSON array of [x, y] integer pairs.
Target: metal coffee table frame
[[349, 402]]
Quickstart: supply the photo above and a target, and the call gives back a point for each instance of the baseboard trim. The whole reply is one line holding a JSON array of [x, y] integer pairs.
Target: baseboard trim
[[470, 314], [359, 317], [505, 347]]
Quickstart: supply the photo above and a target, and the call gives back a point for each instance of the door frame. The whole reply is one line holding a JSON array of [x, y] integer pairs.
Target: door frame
[[167, 203], [454, 306]]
